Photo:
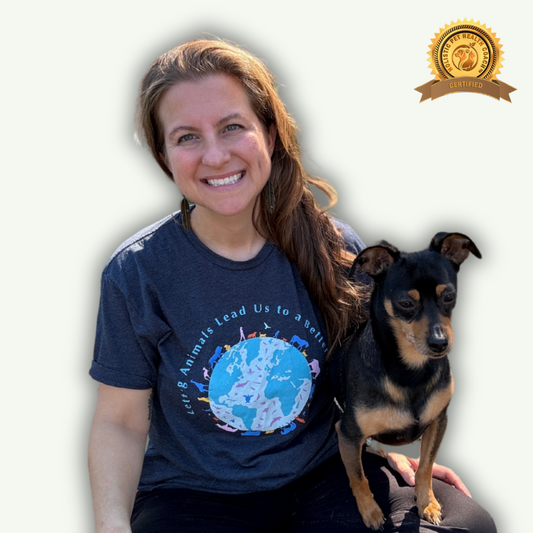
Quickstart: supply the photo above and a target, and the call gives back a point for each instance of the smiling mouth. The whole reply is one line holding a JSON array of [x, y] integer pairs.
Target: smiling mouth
[[230, 180]]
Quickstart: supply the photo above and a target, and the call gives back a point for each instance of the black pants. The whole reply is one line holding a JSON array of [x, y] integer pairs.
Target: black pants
[[320, 501]]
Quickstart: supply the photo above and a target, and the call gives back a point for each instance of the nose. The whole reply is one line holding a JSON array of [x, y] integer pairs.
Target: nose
[[215, 154], [437, 340]]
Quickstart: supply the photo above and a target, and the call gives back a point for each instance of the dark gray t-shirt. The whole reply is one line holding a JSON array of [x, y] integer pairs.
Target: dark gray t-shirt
[[234, 352]]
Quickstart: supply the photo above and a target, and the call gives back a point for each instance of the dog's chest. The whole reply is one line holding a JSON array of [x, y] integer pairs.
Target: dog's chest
[[398, 415]]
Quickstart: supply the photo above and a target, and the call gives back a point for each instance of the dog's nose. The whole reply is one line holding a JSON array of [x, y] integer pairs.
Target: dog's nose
[[437, 341]]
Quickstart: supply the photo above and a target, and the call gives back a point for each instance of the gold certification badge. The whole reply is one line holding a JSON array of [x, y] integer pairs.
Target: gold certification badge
[[465, 57]]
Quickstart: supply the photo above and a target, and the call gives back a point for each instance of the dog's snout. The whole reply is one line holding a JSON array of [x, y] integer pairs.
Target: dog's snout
[[437, 340]]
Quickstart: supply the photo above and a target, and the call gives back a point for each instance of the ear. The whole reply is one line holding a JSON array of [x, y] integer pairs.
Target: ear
[[271, 138], [162, 159], [376, 260], [454, 246]]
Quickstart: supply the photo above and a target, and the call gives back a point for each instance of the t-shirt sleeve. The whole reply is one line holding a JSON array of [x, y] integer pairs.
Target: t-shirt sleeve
[[353, 242], [355, 245], [125, 353]]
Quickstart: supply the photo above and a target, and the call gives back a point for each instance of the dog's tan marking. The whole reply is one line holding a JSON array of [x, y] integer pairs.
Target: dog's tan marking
[[428, 507], [414, 294], [410, 355], [351, 456], [432, 511], [388, 308], [410, 339], [374, 421], [417, 330], [436, 404], [440, 289], [446, 321], [395, 393], [370, 511]]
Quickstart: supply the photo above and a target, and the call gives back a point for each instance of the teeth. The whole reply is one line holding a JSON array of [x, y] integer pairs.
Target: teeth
[[226, 181]]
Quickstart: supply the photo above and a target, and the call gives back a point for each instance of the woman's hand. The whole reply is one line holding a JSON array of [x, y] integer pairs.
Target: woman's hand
[[406, 467]]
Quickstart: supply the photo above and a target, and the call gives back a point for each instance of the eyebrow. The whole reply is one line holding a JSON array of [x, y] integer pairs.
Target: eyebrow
[[227, 118]]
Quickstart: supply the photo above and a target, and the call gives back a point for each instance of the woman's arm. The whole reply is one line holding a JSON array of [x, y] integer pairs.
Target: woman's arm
[[116, 451]]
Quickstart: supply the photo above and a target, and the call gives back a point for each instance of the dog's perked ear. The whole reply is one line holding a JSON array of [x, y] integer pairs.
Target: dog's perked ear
[[376, 260], [454, 246]]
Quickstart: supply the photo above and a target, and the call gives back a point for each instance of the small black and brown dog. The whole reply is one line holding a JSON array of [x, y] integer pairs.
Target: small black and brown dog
[[393, 379]]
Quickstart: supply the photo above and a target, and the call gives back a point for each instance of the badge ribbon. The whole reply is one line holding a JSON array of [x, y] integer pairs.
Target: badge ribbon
[[465, 57]]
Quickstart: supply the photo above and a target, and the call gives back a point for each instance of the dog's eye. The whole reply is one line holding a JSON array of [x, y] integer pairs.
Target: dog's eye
[[448, 298], [406, 304]]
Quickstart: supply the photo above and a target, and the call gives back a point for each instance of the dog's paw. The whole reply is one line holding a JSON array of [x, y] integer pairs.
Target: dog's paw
[[373, 517], [432, 513]]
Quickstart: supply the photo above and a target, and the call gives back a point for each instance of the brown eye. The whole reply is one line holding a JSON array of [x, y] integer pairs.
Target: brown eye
[[448, 298], [406, 304]]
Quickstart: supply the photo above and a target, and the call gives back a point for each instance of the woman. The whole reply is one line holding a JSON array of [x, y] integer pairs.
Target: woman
[[215, 324]]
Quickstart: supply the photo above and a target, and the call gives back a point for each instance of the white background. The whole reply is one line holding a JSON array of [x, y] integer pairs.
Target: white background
[[74, 186]]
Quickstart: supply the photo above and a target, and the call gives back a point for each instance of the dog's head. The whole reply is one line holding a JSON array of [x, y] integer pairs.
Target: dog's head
[[415, 293]]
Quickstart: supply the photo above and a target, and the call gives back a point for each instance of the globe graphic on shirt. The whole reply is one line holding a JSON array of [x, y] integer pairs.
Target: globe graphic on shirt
[[260, 384]]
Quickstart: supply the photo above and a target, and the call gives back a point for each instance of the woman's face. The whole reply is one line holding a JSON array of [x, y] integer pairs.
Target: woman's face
[[216, 148]]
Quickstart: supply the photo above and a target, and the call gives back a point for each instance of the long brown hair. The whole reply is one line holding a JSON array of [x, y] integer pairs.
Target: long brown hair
[[304, 232]]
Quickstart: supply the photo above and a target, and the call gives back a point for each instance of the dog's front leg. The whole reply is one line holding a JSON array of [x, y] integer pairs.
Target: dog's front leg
[[428, 506], [351, 449]]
